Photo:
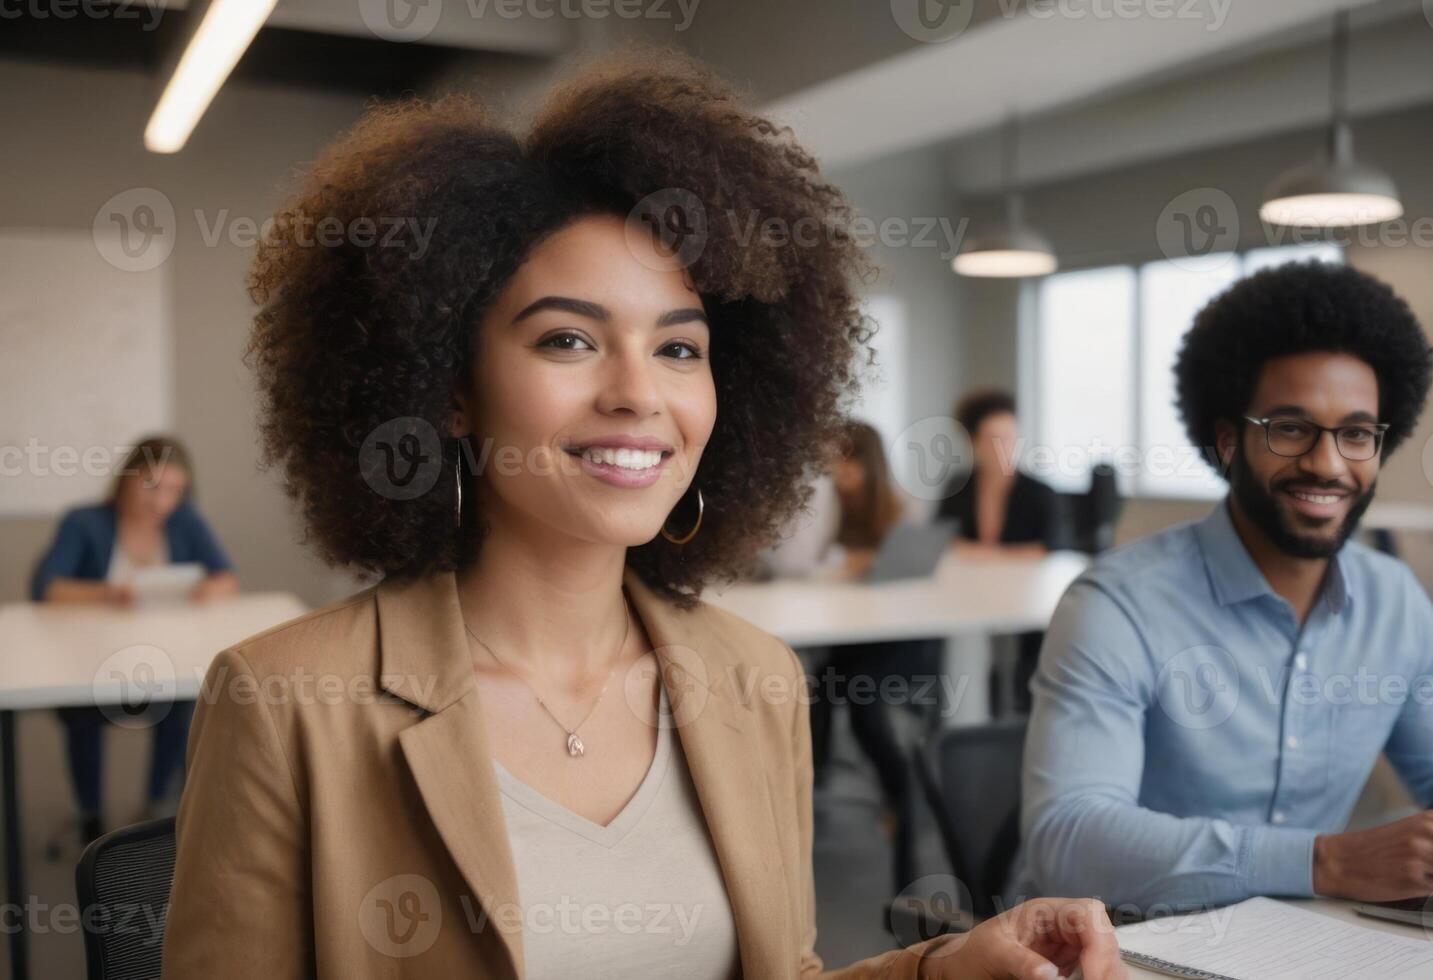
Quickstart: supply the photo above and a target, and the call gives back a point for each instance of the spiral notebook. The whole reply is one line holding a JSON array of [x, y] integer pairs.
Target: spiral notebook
[[1263, 939]]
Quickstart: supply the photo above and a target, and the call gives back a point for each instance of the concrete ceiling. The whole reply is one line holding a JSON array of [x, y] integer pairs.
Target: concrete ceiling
[[1278, 87], [1030, 63]]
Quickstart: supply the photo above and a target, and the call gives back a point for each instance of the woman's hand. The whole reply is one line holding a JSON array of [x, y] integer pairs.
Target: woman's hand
[[216, 585], [859, 561], [1040, 940], [119, 593]]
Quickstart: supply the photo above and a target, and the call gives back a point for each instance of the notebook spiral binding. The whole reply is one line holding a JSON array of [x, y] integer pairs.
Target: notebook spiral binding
[[1173, 969]]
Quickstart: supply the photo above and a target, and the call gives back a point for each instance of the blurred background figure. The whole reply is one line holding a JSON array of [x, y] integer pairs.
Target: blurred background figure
[[1003, 512], [147, 520], [808, 545], [869, 505]]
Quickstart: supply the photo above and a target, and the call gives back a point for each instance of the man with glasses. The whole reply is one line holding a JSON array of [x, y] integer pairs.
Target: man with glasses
[[1210, 700]]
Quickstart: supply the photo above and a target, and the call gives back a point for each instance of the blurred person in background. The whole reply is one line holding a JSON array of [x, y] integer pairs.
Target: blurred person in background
[[147, 519], [1004, 513], [870, 506], [807, 545]]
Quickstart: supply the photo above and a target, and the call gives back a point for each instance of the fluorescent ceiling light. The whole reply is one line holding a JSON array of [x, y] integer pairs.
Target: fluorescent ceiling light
[[224, 34]]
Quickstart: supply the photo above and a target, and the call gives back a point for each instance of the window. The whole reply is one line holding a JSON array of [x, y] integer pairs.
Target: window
[[1103, 381], [1086, 329]]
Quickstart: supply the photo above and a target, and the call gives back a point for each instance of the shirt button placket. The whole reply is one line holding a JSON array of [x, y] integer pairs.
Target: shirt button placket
[[1289, 756], [1291, 760]]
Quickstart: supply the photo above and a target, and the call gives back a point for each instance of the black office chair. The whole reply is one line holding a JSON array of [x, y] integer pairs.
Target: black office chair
[[123, 882], [1383, 540], [1093, 514], [971, 779]]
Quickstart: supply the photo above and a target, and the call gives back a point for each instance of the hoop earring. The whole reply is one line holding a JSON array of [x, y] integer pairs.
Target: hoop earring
[[458, 484], [701, 508]]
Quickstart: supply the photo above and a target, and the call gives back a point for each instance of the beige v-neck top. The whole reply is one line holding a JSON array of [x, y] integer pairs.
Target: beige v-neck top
[[642, 896]]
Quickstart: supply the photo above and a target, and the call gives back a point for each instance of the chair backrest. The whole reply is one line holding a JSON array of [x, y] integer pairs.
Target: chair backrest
[[1103, 507], [1090, 516], [971, 778], [123, 881]]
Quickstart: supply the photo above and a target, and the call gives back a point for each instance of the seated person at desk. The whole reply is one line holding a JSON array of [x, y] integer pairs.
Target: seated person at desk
[[147, 520], [1211, 699], [1002, 512]]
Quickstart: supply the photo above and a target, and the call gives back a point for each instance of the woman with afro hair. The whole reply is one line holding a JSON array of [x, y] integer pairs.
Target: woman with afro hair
[[543, 387]]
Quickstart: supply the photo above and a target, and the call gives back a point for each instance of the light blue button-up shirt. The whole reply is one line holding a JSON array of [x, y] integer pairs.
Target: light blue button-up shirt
[[1188, 741]]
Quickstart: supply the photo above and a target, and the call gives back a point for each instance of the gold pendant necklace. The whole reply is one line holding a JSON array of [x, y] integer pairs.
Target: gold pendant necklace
[[575, 746]]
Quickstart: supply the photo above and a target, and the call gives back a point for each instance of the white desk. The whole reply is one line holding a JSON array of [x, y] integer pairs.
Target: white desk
[[1325, 906], [1395, 516], [53, 652], [59, 655], [964, 597]]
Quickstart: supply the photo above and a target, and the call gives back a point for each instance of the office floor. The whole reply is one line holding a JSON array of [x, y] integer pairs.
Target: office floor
[[852, 860]]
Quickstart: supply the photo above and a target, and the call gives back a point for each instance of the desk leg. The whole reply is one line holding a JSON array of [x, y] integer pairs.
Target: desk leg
[[968, 664], [14, 871]]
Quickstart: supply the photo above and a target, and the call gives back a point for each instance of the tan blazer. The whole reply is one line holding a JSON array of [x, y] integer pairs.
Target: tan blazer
[[342, 819]]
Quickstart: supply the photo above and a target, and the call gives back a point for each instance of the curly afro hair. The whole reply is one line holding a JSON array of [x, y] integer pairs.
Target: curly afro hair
[[1294, 309], [358, 330]]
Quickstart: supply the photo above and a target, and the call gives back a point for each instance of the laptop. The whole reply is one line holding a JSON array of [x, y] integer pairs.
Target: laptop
[[1410, 911], [911, 550], [167, 584]]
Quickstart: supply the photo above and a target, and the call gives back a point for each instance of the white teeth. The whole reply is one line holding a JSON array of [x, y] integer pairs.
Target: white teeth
[[1316, 498], [628, 459]]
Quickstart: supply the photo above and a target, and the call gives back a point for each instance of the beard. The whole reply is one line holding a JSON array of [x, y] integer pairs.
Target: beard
[[1263, 510]]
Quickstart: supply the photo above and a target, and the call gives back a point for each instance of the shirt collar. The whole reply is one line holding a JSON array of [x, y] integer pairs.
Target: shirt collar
[[1235, 577]]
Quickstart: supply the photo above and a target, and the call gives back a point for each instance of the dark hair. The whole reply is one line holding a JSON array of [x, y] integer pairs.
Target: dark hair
[[865, 520], [355, 335], [978, 406], [1294, 309], [150, 453]]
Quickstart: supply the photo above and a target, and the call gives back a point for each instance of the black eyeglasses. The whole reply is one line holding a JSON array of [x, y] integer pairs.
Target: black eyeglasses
[[1295, 437]]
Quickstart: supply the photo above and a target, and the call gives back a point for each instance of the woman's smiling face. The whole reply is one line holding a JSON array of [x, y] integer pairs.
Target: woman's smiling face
[[592, 392]]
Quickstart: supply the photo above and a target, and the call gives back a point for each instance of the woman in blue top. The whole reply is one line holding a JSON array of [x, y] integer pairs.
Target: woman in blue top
[[147, 519]]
